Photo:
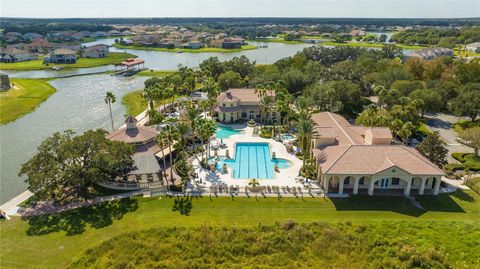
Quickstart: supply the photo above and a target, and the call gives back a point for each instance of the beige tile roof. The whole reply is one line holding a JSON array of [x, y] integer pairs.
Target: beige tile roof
[[372, 159], [63, 51], [241, 94], [350, 155], [140, 134]]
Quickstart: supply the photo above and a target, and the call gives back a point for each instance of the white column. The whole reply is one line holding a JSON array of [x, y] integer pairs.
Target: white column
[[340, 186], [371, 186], [355, 186], [437, 186], [407, 188], [325, 183], [422, 186]]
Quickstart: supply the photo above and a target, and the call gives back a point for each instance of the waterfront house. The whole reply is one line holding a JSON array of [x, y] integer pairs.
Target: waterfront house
[[114, 33], [31, 36], [99, 34], [245, 104], [61, 56], [473, 47], [356, 159], [13, 55], [428, 53], [40, 45], [229, 43], [357, 32], [95, 51]]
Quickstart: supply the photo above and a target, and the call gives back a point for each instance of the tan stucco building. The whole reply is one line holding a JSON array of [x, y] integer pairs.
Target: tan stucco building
[[356, 159], [244, 104]]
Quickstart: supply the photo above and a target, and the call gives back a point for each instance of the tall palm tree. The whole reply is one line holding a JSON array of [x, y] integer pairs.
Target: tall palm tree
[[161, 141], [306, 131], [207, 129], [192, 115], [183, 130], [110, 99], [213, 90], [171, 134]]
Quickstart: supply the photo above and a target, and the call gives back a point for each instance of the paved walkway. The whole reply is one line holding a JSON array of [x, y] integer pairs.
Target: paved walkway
[[442, 123]]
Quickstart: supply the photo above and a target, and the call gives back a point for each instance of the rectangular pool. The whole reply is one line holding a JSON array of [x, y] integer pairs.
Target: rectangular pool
[[252, 160]]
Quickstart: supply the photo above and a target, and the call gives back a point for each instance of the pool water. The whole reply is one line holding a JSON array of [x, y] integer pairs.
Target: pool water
[[252, 160], [225, 132]]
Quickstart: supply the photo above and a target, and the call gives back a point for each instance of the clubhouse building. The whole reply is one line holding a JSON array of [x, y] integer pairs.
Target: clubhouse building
[[244, 104], [356, 159]]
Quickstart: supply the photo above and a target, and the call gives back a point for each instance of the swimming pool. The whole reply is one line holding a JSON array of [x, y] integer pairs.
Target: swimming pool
[[252, 160], [226, 132]]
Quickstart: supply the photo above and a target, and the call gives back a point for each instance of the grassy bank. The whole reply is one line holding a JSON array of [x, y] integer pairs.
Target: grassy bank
[[135, 103], [57, 240], [292, 245], [155, 73], [464, 124], [369, 45], [112, 58], [200, 50], [23, 98], [276, 40]]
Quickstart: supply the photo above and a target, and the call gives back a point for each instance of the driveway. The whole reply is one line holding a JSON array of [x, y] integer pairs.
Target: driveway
[[442, 123]]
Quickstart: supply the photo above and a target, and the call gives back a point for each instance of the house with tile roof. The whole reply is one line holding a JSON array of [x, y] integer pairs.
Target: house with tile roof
[[61, 56], [244, 104], [13, 55], [356, 159]]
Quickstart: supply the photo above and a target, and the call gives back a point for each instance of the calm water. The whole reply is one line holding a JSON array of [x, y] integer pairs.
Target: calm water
[[169, 61], [78, 105]]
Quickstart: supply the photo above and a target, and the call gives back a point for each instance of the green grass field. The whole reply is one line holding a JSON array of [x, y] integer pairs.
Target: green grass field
[[23, 98], [57, 240], [112, 58], [155, 73], [135, 103], [177, 50]]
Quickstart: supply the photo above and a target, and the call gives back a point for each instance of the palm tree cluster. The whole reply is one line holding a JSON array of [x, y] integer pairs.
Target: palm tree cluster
[[305, 128]]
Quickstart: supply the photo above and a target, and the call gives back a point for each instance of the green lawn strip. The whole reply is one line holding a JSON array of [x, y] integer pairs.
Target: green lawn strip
[[135, 103], [276, 40], [23, 98], [464, 124], [55, 241], [155, 73], [200, 50], [370, 45], [112, 58]]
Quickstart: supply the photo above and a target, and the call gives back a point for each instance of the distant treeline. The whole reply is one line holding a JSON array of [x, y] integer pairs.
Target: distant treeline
[[444, 37], [250, 21], [43, 27]]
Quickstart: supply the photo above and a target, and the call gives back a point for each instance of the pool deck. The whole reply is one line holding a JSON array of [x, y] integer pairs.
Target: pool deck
[[286, 176]]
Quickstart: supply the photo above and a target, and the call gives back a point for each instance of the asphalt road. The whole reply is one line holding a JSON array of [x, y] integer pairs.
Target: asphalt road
[[442, 123]]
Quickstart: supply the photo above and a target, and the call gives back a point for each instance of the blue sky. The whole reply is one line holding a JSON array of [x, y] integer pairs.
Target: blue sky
[[240, 8]]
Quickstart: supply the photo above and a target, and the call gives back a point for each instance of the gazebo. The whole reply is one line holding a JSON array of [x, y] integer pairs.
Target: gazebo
[[130, 64]]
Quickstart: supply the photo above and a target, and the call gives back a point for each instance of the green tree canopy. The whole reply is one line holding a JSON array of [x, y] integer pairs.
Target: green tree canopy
[[433, 148]]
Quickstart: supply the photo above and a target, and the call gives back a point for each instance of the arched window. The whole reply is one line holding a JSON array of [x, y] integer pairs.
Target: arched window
[[361, 181], [346, 181]]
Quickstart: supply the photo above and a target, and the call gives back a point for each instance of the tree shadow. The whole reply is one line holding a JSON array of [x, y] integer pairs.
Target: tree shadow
[[183, 205], [444, 202], [75, 221], [377, 203]]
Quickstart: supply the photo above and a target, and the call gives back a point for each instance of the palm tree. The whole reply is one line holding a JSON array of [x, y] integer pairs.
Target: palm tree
[[192, 115], [183, 130], [110, 99], [161, 141], [207, 129], [213, 90], [171, 135], [306, 132]]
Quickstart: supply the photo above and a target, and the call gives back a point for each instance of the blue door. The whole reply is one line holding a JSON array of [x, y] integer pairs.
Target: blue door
[[384, 183]]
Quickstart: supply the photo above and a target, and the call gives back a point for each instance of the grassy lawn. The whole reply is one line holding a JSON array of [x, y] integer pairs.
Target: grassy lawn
[[200, 50], [467, 160], [23, 98], [55, 241], [112, 58], [463, 53], [464, 124], [276, 40], [155, 73], [135, 103]]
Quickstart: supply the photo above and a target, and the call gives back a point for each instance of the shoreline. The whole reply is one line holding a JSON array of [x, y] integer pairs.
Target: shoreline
[[179, 50]]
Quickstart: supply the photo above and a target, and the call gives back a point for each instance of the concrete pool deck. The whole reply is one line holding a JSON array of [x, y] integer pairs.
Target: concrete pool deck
[[286, 176]]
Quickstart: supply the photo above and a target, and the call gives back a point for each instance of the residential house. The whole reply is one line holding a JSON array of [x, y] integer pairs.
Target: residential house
[[114, 33], [61, 56], [229, 43], [95, 51], [428, 53], [71, 46], [13, 55], [40, 45], [99, 34], [473, 47], [245, 104], [356, 159], [11, 37], [32, 36], [357, 32]]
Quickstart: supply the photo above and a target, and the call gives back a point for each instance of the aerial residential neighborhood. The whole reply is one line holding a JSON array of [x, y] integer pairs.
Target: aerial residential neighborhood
[[239, 134]]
